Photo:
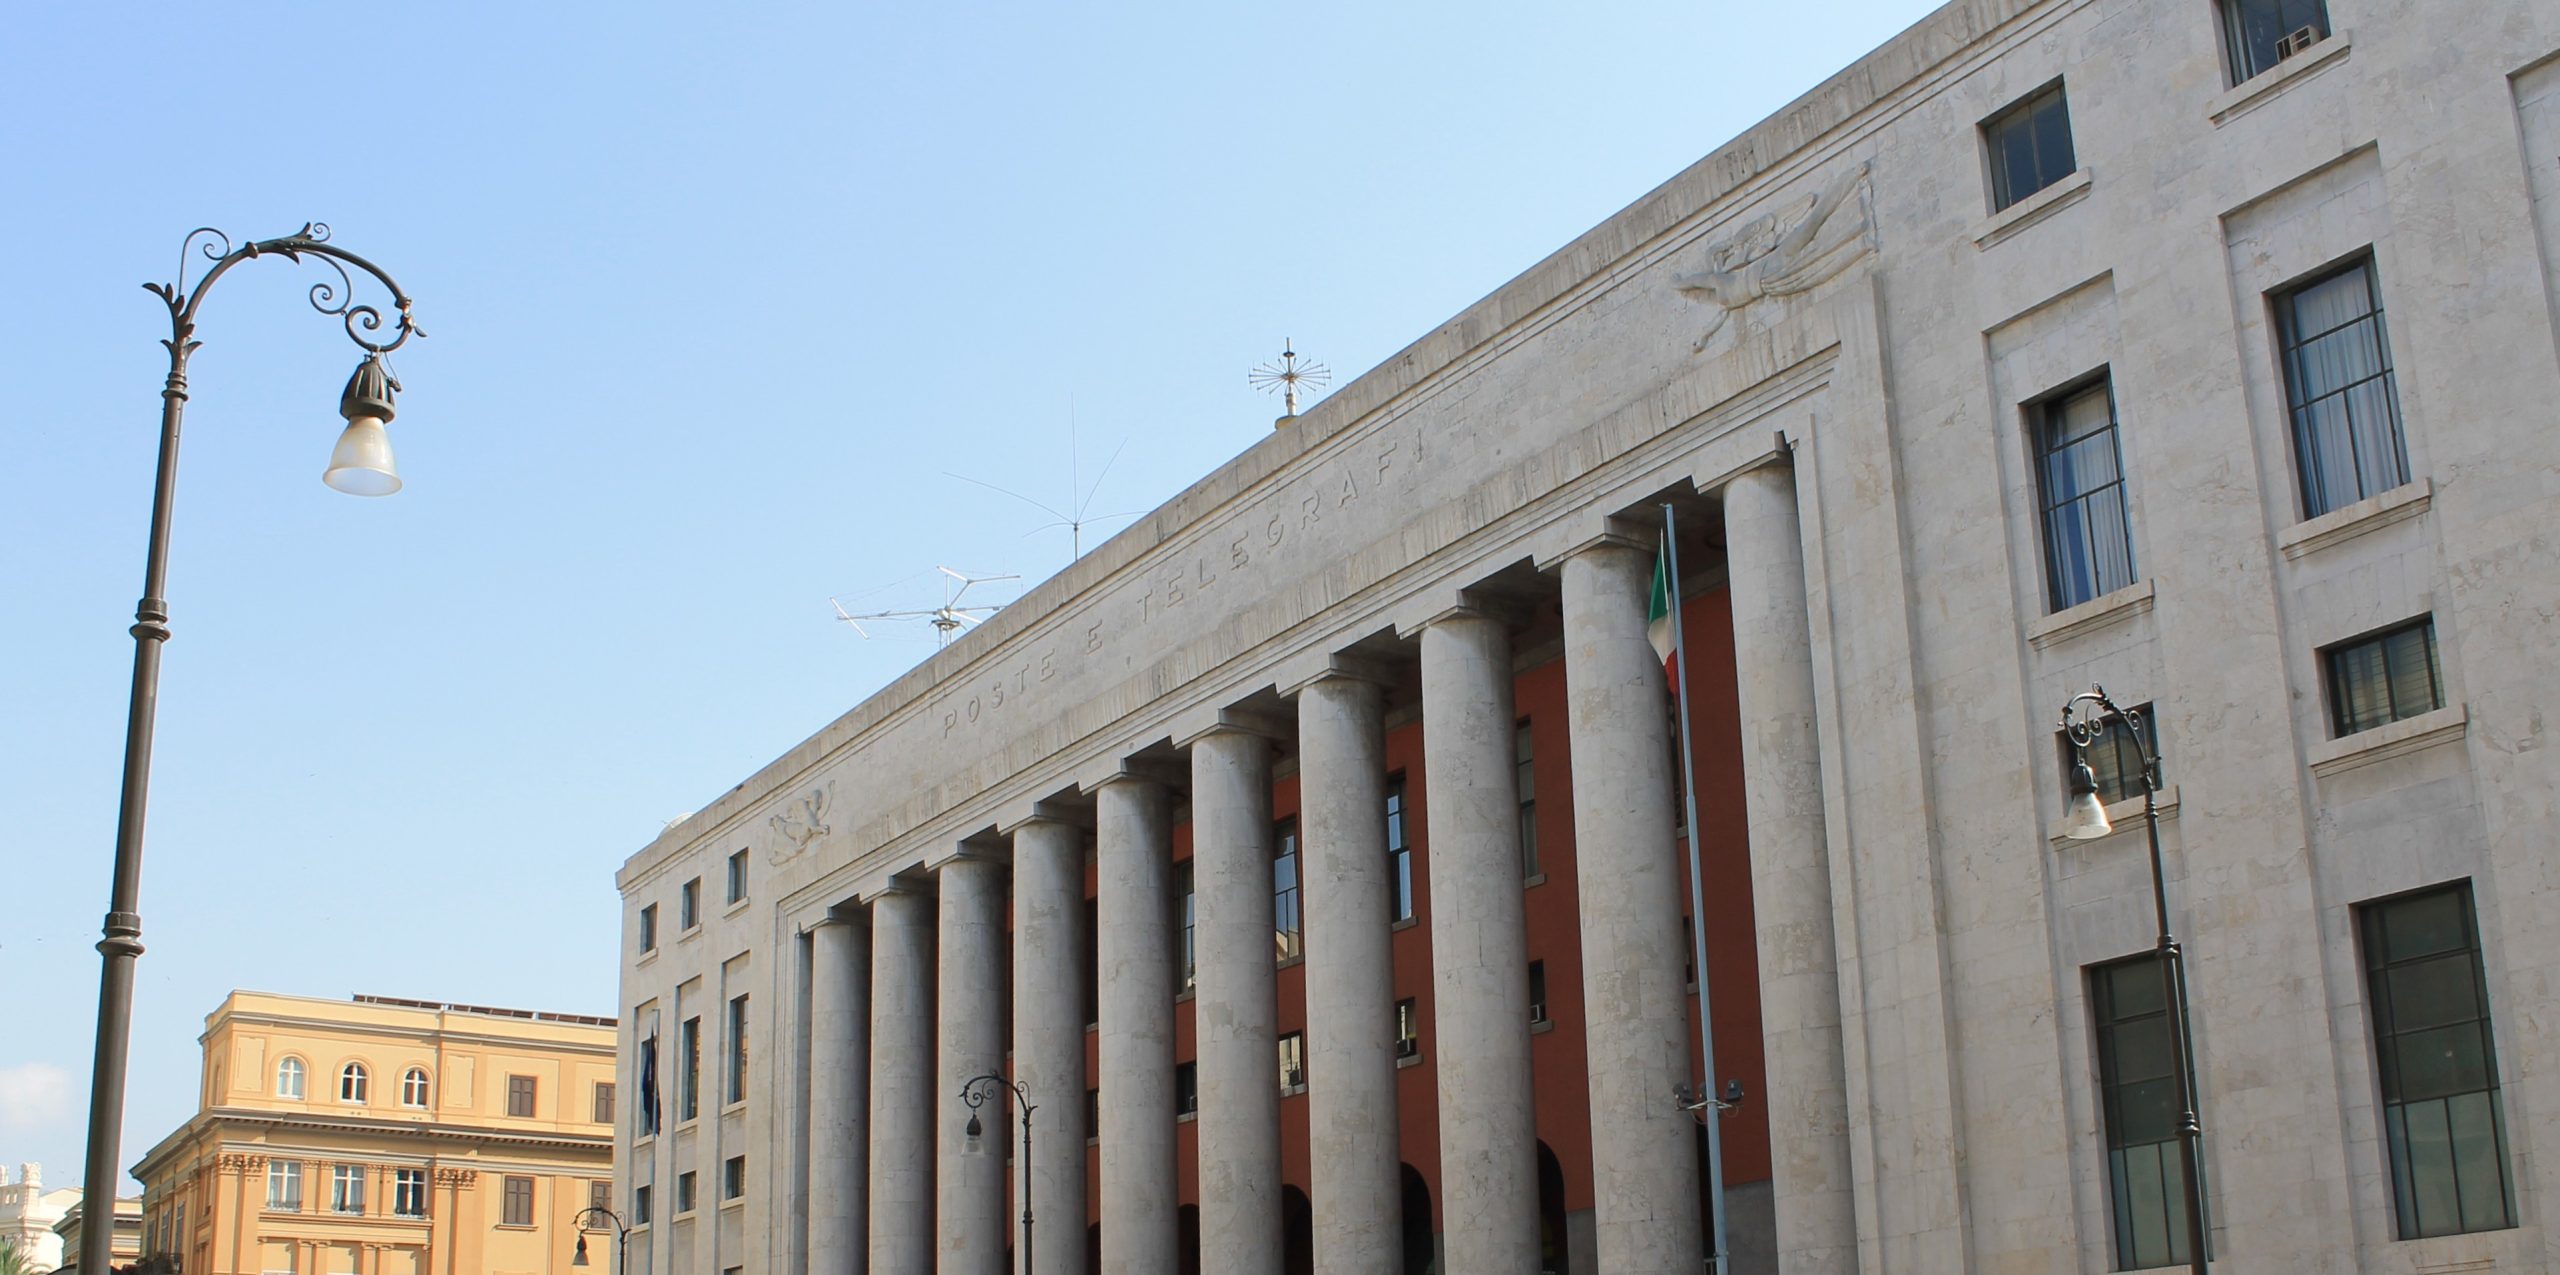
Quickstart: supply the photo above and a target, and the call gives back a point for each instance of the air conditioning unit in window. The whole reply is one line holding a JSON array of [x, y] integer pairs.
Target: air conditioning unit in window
[[1297, 1078], [2297, 42], [1537, 1012]]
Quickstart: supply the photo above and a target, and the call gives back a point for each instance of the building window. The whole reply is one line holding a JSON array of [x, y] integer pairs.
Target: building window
[[1092, 964], [733, 1178], [689, 905], [684, 1193], [640, 1205], [1408, 1029], [346, 1188], [1288, 937], [519, 1201], [1093, 1115], [1186, 973], [289, 1079], [1399, 853], [2088, 530], [689, 1079], [409, 1192], [1186, 1089], [520, 1094], [2030, 146], [2374, 681], [738, 876], [2138, 1093], [1293, 1063], [352, 1083], [413, 1087], [604, 1102], [2257, 34], [649, 928], [2431, 1039], [600, 1201], [1525, 773], [284, 1185], [2339, 386], [734, 1085], [2114, 756], [1537, 993]]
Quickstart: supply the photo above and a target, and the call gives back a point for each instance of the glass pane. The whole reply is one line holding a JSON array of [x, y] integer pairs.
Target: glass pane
[[2331, 302], [2430, 1152], [2413, 683], [2110, 539], [2424, 925], [2328, 456], [2053, 141], [2073, 567], [2361, 686], [2432, 993], [2141, 1050], [2133, 988], [2445, 1060], [2479, 1160], [2148, 1111], [2015, 160]]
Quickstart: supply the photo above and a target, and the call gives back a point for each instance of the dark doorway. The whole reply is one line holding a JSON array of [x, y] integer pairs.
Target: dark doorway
[[1093, 1247], [1551, 1235], [1187, 1243], [1297, 1233], [1417, 1221]]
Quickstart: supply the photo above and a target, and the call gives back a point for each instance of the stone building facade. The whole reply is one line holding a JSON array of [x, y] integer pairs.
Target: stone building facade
[[2204, 349]]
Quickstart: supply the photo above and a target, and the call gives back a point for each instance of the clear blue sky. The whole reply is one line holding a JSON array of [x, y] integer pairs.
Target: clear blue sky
[[715, 298]]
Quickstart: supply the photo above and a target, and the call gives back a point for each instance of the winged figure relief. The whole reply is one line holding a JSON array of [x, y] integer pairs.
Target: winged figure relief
[[803, 824]]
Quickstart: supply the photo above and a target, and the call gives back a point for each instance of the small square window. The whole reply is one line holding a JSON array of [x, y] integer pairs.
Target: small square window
[[520, 1094], [604, 1102], [737, 876], [2390, 676], [689, 904], [1408, 1029], [2030, 146], [2257, 34], [1293, 1064], [1186, 1089], [2114, 756]]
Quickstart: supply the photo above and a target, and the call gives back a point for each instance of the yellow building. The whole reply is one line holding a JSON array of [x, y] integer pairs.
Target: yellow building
[[387, 1137]]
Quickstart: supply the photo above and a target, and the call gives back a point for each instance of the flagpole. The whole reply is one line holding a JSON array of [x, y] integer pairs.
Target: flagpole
[[1709, 1105]]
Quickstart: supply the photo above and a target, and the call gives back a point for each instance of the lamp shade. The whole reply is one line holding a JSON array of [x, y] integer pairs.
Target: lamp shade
[[2087, 816], [579, 1258], [361, 465]]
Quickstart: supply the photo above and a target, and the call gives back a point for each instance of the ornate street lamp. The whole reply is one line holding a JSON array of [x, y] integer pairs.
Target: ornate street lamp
[[360, 465], [975, 1093], [2084, 720], [621, 1237]]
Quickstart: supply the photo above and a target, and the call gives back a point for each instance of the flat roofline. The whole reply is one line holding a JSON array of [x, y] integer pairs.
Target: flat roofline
[[401, 1002], [1946, 33]]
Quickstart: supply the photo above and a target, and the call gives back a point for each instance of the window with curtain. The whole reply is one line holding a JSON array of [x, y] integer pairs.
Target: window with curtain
[[2340, 389], [2114, 756], [2256, 33], [284, 1185], [2378, 680], [2088, 528], [289, 1078]]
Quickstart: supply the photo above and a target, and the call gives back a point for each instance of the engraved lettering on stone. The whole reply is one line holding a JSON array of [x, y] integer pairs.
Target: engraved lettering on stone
[[1764, 260]]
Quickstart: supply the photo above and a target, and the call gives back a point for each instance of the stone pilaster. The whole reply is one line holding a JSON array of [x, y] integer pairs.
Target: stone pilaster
[[1134, 848], [902, 1106], [1235, 1011], [1351, 1093], [1479, 949], [1048, 1030], [1635, 1001], [839, 1100]]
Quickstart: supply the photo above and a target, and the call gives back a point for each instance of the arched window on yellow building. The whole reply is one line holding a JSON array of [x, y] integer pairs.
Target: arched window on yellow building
[[413, 1088], [351, 1083], [289, 1079]]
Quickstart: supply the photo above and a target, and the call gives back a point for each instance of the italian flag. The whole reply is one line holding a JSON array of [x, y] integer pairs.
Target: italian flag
[[1657, 616]]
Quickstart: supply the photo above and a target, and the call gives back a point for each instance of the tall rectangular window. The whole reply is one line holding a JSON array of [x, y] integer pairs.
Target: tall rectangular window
[[2340, 389], [1186, 1089], [2114, 756], [2138, 1094], [2088, 529], [1399, 853], [737, 876], [684, 1193], [1288, 934], [520, 1093], [346, 1188], [689, 1075], [689, 904], [649, 928], [1293, 1063], [409, 1192], [733, 1178], [734, 1087], [518, 1201], [1092, 963], [1525, 773], [1186, 972], [284, 1185], [2439, 1064], [2378, 680], [1408, 1029], [604, 1102], [2030, 145], [2257, 34], [641, 1200]]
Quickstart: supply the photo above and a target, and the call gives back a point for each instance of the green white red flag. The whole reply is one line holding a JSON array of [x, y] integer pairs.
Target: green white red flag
[[1657, 615]]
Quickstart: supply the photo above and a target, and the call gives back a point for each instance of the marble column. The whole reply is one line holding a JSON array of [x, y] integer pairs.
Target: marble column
[[969, 1181], [839, 1102], [1235, 1011], [902, 1106], [1635, 1000], [1790, 876], [1133, 846], [1048, 1031], [1350, 973], [1479, 949]]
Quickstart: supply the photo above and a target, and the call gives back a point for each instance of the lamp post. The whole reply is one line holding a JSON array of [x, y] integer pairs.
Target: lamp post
[[975, 1093], [360, 465], [2084, 720], [621, 1237]]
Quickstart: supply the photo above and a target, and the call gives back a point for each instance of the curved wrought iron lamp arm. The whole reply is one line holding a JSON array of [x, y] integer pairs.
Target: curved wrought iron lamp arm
[[334, 299], [979, 1089], [2084, 728]]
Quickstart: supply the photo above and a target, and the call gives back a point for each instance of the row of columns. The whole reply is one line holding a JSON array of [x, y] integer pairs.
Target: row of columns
[[888, 1055]]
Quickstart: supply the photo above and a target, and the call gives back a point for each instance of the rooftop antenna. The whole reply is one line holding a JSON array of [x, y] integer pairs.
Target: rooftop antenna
[[1079, 496], [1286, 374], [948, 619]]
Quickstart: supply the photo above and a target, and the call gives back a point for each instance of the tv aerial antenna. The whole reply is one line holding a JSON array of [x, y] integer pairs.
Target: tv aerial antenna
[[948, 620], [1080, 513], [1287, 374]]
